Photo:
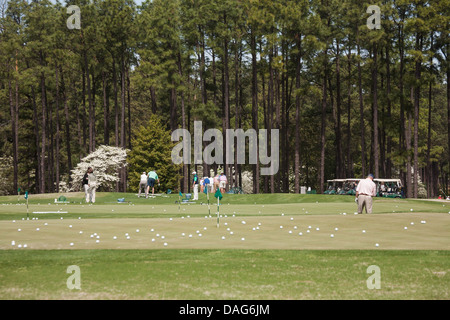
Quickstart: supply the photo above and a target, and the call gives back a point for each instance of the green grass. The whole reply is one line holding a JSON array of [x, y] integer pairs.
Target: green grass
[[224, 274], [270, 264]]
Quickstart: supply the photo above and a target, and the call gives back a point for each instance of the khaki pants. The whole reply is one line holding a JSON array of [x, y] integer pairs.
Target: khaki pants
[[364, 201], [89, 193], [142, 185]]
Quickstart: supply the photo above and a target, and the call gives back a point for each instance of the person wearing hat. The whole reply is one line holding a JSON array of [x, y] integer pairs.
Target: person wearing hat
[[195, 183], [365, 190], [142, 183]]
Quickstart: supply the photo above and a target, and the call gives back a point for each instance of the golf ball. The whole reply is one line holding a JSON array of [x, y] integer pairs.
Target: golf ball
[[332, 235], [165, 244], [19, 230], [71, 244], [377, 245], [137, 230], [114, 237], [242, 239], [364, 231], [223, 238]]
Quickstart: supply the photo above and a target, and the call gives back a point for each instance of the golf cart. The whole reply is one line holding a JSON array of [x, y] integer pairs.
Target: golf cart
[[330, 189], [350, 186], [389, 188], [339, 185]]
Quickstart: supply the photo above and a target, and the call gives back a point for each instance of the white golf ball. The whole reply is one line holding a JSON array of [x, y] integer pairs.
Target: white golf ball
[[332, 235], [412, 223], [151, 230], [242, 239], [364, 231], [165, 244], [300, 234], [317, 229], [137, 230], [406, 228], [231, 232], [281, 227], [13, 243], [377, 245], [307, 231], [243, 222], [70, 226], [190, 236], [292, 219], [37, 229], [114, 237], [183, 234], [71, 244], [25, 245], [336, 229], [223, 238], [97, 241], [81, 232], [412, 210], [309, 227], [46, 224], [163, 237], [153, 240], [290, 231], [19, 230], [19, 246], [128, 238]]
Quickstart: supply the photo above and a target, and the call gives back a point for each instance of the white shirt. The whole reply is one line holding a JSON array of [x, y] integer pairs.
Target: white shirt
[[367, 186], [143, 178]]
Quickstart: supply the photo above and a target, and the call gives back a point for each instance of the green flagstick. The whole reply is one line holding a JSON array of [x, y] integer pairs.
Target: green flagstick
[[179, 201], [218, 199], [219, 196], [207, 196]]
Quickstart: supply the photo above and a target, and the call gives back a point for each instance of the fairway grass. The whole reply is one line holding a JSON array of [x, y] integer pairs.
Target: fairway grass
[[141, 249], [224, 274]]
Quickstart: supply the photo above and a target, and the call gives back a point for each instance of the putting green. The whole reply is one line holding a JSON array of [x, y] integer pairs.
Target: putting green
[[238, 232]]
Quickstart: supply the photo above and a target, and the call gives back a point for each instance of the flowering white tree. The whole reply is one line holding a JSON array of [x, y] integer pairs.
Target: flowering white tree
[[106, 161]]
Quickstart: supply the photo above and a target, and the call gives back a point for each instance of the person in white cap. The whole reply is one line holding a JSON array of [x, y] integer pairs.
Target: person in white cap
[[195, 183], [142, 183]]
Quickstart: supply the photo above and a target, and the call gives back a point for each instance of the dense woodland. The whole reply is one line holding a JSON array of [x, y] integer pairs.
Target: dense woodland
[[347, 100]]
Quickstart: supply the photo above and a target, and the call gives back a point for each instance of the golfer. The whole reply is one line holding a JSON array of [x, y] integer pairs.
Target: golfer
[[195, 183], [89, 183], [142, 183], [206, 185], [365, 190], [152, 178], [222, 182]]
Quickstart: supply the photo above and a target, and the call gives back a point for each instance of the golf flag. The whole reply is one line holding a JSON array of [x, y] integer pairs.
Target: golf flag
[[180, 194], [218, 195], [179, 200]]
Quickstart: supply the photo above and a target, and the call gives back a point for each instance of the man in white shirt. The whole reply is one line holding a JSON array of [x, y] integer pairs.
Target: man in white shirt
[[142, 183], [365, 190]]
